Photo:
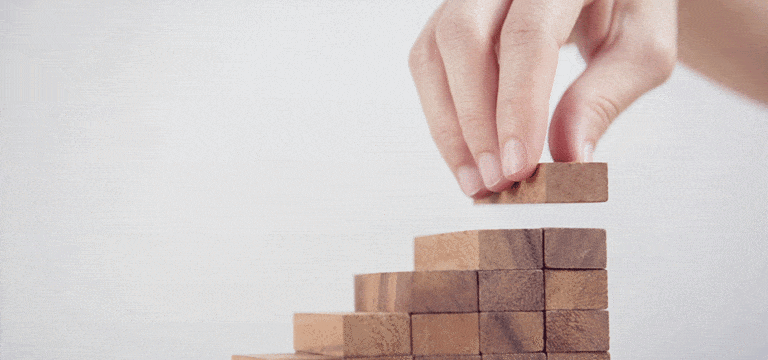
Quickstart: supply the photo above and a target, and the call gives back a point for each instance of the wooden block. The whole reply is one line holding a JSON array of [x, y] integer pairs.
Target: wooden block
[[576, 289], [577, 331], [305, 356], [448, 357], [511, 290], [480, 250], [352, 334], [417, 292], [574, 248], [557, 183], [444, 334], [511, 332], [579, 356], [527, 356]]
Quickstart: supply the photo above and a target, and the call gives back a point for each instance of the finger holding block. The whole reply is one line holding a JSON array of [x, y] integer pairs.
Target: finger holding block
[[352, 334], [576, 289], [574, 248], [511, 332], [417, 292], [480, 250], [511, 290], [557, 183], [445, 334], [577, 331]]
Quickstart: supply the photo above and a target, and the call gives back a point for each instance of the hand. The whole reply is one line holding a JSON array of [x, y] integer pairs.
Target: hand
[[484, 71]]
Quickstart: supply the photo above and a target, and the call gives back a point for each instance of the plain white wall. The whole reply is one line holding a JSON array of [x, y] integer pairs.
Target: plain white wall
[[176, 180]]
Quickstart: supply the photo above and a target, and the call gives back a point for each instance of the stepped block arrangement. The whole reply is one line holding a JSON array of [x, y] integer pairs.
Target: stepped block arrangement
[[512, 294]]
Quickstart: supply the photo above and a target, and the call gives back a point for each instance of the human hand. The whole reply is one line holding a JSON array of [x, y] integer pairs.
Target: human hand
[[484, 72]]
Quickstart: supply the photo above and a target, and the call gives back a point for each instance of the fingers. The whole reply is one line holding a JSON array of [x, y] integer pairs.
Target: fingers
[[622, 69], [465, 37], [432, 85], [531, 37]]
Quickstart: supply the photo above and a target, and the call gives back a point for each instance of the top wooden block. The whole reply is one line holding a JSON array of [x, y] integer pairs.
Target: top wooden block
[[480, 250], [557, 183]]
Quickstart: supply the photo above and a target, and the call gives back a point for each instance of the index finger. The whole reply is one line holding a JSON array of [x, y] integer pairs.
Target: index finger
[[530, 40]]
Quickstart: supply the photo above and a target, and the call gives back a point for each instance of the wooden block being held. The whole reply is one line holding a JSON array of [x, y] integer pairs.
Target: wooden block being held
[[445, 334], [480, 250], [352, 334], [577, 331], [579, 356], [528, 356], [576, 289], [417, 292], [511, 332], [569, 248], [557, 183], [511, 290], [305, 356]]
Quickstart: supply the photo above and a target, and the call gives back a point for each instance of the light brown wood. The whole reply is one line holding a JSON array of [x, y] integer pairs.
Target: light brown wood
[[574, 248], [352, 334], [557, 183], [511, 332], [576, 289], [528, 356], [305, 356], [577, 331], [417, 292], [579, 356], [448, 357], [444, 334], [480, 250], [511, 290]]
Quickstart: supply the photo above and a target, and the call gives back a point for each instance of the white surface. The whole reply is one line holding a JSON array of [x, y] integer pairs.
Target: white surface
[[176, 181]]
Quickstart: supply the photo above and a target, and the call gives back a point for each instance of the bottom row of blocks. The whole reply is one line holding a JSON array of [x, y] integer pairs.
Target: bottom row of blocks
[[388, 334], [529, 356]]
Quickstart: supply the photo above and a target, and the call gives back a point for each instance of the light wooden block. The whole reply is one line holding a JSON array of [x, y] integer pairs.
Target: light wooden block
[[579, 356], [448, 357], [417, 292], [557, 183], [352, 334], [445, 334], [577, 331], [480, 250], [574, 248], [511, 290], [576, 289], [305, 356], [511, 332], [528, 356]]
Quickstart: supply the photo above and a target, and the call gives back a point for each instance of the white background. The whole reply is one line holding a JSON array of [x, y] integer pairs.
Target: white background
[[176, 180]]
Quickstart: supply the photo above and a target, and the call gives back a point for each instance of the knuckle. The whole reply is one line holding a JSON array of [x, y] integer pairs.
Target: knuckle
[[605, 109], [524, 32], [660, 58], [422, 55], [460, 31]]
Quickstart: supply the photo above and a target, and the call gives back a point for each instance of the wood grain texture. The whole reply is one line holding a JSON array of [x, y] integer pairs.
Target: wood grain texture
[[574, 248], [305, 356], [511, 332], [445, 334], [557, 183], [480, 250], [577, 331], [511, 290], [528, 356], [417, 292], [352, 334], [576, 289], [580, 356], [448, 357]]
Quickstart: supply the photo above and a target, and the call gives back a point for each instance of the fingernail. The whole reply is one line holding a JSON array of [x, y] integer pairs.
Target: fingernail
[[588, 152], [490, 167], [470, 181], [514, 156]]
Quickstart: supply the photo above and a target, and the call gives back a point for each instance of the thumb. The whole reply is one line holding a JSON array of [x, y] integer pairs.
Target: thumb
[[612, 81]]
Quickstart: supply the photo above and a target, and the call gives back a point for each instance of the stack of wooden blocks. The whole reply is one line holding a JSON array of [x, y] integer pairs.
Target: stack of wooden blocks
[[524, 294]]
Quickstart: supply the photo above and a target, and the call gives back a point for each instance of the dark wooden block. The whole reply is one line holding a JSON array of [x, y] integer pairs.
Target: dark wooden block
[[569, 248], [447, 357], [579, 356], [305, 356], [557, 183], [480, 250], [417, 292], [511, 332], [577, 331], [528, 356], [352, 334], [511, 290], [445, 334], [576, 289]]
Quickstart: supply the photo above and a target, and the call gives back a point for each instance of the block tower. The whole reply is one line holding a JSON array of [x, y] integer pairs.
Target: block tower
[[511, 294]]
